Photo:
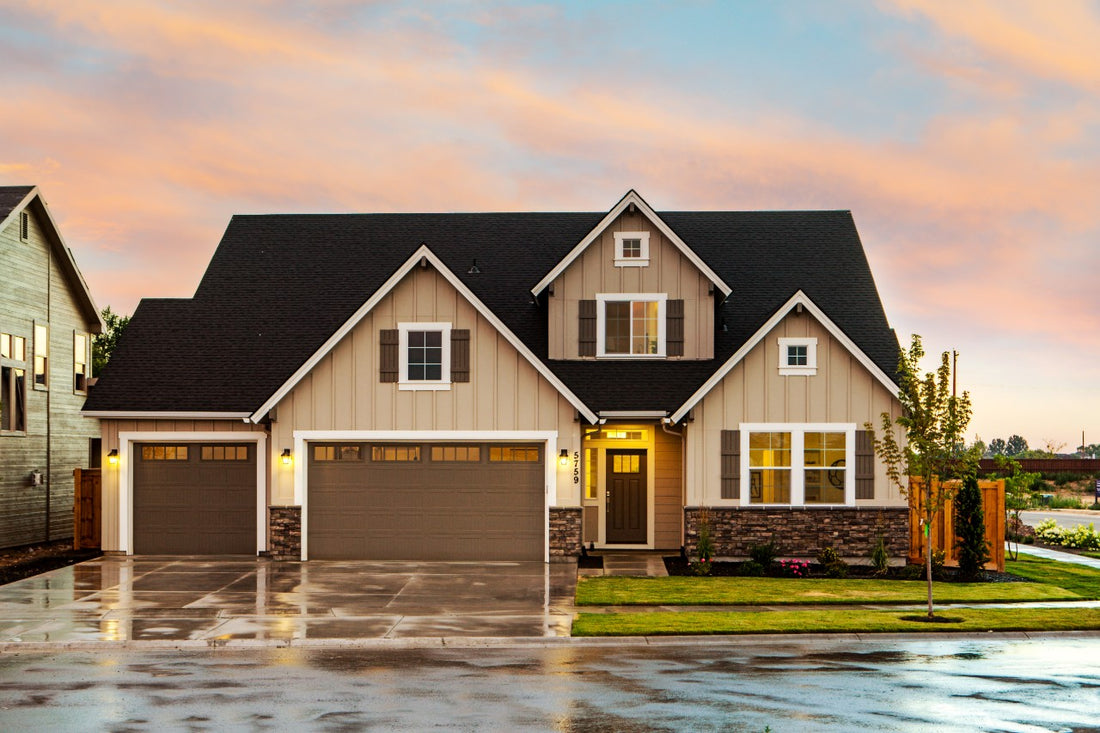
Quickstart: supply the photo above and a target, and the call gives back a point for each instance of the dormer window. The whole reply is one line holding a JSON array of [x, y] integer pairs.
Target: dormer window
[[797, 356], [631, 249], [630, 324]]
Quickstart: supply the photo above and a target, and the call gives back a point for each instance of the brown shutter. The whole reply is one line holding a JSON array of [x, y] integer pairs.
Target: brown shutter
[[460, 355], [587, 343], [865, 465], [388, 346], [674, 328], [731, 464]]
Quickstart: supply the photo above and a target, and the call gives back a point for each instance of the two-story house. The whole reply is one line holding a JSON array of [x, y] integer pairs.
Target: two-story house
[[47, 319], [507, 386]]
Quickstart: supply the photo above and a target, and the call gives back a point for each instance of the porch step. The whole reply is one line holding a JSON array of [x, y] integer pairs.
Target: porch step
[[635, 564]]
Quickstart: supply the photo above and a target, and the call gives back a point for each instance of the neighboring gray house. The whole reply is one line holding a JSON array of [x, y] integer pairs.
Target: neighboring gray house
[[47, 319]]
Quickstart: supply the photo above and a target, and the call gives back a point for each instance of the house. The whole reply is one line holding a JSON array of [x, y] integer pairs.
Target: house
[[507, 386], [47, 319]]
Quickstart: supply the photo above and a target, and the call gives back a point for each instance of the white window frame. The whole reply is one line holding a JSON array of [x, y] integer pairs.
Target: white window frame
[[87, 361], [404, 383], [34, 358], [602, 299], [798, 469], [623, 261], [808, 369]]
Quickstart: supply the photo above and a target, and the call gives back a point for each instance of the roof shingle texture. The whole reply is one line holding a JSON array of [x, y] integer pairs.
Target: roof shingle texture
[[279, 285], [10, 197]]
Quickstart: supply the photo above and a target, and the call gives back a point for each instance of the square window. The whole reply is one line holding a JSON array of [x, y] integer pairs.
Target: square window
[[630, 325], [425, 353], [797, 356], [631, 249]]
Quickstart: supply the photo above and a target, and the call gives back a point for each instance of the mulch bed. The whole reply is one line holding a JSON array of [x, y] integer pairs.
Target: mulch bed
[[17, 563], [680, 566]]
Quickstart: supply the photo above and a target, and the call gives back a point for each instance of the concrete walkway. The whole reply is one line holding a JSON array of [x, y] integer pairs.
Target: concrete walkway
[[1068, 557], [636, 564]]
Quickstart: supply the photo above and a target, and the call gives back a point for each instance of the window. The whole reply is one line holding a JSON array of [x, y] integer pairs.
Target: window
[[514, 453], [164, 452], [626, 464], [631, 249], [395, 453], [341, 452], [802, 464], [425, 350], [591, 483], [13, 383], [456, 453], [13, 347], [41, 355], [616, 434], [80, 362], [224, 453], [630, 325], [797, 356]]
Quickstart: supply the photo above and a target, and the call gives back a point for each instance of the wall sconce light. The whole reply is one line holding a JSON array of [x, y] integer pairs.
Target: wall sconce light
[[112, 457], [563, 458], [286, 456]]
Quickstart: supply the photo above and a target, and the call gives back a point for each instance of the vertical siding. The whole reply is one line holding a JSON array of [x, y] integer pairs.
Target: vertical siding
[[841, 391], [668, 505], [595, 272]]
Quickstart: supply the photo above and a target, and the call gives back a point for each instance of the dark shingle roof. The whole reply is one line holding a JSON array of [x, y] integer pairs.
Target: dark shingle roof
[[12, 196], [278, 286]]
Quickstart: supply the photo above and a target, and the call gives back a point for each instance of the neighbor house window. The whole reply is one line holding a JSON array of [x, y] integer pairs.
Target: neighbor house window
[[797, 356], [41, 355], [425, 350], [13, 383], [81, 357], [800, 464], [630, 325], [631, 249]]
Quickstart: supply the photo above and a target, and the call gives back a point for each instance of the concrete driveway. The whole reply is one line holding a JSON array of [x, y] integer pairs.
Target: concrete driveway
[[243, 601]]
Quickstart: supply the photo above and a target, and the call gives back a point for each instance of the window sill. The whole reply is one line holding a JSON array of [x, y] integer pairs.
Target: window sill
[[631, 356], [423, 386], [797, 371], [632, 262]]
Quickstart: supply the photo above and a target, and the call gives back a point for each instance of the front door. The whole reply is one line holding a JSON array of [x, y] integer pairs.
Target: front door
[[626, 497]]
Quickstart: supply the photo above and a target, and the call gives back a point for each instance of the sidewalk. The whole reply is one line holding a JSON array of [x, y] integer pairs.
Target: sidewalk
[[1067, 557]]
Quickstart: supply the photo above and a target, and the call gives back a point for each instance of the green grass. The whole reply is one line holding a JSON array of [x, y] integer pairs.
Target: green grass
[[1079, 579], [838, 620], [685, 591]]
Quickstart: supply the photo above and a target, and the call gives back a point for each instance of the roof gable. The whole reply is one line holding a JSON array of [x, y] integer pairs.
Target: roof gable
[[631, 201]]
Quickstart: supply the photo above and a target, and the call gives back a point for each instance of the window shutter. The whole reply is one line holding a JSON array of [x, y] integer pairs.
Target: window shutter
[[587, 344], [460, 355], [865, 465], [674, 330], [731, 464], [388, 347]]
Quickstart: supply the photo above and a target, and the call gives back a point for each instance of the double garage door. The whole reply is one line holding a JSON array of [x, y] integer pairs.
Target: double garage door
[[424, 501]]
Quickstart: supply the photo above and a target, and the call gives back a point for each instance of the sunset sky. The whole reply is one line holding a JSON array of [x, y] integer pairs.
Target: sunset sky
[[963, 136]]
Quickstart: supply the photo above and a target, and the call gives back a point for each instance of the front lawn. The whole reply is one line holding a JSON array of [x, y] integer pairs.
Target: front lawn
[[1080, 579]]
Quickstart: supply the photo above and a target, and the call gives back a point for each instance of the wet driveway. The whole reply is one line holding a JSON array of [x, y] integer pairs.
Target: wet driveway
[[242, 600]]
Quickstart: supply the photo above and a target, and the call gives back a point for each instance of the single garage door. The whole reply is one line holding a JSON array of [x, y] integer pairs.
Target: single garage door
[[194, 499], [374, 501]]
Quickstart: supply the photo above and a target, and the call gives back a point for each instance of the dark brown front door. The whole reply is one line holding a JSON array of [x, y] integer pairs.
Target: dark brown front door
[[626, 497]]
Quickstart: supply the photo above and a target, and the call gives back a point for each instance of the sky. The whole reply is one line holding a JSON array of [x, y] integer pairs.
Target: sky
[[963, 136]]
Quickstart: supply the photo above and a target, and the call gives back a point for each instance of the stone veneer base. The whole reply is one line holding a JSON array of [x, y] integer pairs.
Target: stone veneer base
[[285, 526], [565, 531]]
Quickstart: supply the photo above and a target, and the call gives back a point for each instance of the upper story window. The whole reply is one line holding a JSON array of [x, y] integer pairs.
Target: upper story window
[[797, 356], [13, 383], [41, 355], [425, 353], [631, 249], [81, 359], [630, 324]]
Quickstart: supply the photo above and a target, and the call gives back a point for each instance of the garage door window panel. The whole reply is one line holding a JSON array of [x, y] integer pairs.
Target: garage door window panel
[[514, 454], [164, 452], [224, 452], [338, 452], [456, 454], [395, 453]]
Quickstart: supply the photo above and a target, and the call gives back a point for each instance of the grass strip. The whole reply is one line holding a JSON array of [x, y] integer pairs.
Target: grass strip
[[685, 591], [1079, 579], [840, 620]]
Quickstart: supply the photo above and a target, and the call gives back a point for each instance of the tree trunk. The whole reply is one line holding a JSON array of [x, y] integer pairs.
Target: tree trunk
[[928, 515]]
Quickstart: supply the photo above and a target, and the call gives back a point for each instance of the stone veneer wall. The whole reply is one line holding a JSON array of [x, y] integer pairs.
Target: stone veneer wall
[[801, 531], [285, 524], [565, 531]]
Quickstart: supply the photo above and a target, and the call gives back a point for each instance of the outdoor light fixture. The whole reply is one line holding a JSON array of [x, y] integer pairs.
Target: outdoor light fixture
[[563, 457], [112, 457], [286, 456]]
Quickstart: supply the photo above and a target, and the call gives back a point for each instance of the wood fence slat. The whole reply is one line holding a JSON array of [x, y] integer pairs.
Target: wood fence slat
[[943, 528]]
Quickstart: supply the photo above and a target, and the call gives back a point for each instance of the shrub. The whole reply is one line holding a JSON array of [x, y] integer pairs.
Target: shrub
[[794, 568], [752, 568], [831, 561], [764, 555], [912, 572], [880, 558], [1081, 537], [1065, 502], [704, 549], [970, 528]]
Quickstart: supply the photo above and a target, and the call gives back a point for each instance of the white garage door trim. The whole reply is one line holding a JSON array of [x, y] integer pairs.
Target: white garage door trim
[[549, 438], [126, 476]]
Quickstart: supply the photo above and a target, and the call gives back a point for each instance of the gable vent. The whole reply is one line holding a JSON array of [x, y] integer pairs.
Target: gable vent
[[24, 225]]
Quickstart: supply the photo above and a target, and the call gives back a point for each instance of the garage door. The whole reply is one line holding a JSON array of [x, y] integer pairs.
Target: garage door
[[194, 499], [376, 501]]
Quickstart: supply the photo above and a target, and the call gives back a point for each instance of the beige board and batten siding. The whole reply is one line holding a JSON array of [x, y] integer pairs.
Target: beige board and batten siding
[[35, 289], [344, 392], [842, 391], [594, 272], [110, 429], [668, 492]]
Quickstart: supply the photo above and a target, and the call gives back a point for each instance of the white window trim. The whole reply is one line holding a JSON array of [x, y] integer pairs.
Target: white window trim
[[601, 323], [404, 383], [798, 476], [640, 261], [34, 358], [87, 361], [791, 370]]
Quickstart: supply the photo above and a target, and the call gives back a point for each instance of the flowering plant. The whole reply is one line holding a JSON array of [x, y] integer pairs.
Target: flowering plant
[[794, 568]]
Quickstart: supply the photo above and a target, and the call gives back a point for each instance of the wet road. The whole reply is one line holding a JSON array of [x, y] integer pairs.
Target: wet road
[[1000, 684], [1064, 518]]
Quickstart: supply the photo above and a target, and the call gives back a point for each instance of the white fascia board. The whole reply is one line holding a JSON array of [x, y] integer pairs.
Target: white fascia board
[[423, 252], [796, 299], [632, 197], [621, 414], [168, 415]]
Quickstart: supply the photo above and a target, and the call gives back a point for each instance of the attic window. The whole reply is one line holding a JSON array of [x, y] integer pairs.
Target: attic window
[[24, 226], [797, 356], [631, 249]]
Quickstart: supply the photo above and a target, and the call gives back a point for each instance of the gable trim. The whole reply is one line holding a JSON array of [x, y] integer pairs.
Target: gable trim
[[632, 199], [423, 253], [799, 298]]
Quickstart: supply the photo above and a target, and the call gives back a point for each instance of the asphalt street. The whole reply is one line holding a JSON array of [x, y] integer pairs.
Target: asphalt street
[[1063, 518], [807, 684]]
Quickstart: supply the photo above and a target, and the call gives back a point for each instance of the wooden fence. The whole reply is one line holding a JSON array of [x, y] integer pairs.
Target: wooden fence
[[1048, 465], [943, 528], [86, 508]]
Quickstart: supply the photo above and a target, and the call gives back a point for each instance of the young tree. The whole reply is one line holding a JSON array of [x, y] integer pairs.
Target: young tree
[[1018, 485], [104, 344], [970, 528], [933, 421]]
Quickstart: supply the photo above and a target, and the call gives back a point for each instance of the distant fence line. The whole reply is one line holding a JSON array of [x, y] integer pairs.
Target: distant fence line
[[1048, 465]]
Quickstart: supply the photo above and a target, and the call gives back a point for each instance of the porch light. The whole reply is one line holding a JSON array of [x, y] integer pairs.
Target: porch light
[[563, 457], [112, 457], [286, 456]]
